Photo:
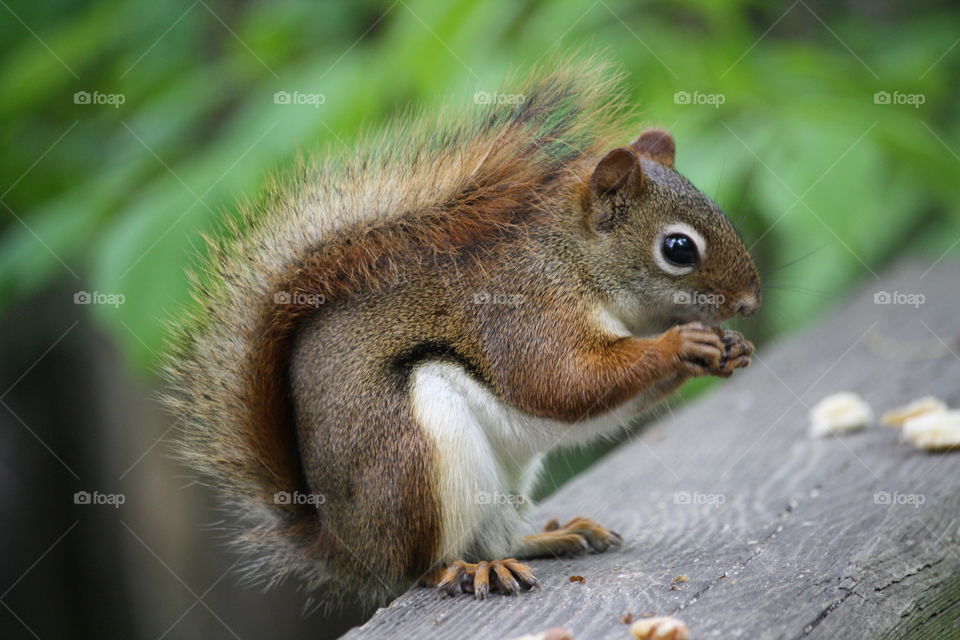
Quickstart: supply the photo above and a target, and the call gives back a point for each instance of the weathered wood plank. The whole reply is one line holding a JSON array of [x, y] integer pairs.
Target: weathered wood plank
[[781, 535]]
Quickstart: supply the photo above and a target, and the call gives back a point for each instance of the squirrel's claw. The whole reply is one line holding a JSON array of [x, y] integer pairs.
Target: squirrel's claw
[[451, 580], [504, 576]]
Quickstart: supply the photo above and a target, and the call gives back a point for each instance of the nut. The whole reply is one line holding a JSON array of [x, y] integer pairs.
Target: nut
[[933, 431], [922, 406], [839, 413]]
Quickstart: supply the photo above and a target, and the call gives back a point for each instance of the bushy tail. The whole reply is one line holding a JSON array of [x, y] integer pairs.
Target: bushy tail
[[425, 185]]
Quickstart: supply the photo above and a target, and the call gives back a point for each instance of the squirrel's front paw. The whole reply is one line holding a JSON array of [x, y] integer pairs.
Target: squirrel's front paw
[[737, 352], [699, 351], [506, 576]]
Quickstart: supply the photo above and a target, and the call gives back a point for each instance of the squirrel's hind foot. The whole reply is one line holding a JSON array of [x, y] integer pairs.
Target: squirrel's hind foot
[[482, 578], [579, 536]]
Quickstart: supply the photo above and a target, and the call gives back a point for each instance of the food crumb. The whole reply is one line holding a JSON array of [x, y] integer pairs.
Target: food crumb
[[626, 618], [660, 628]]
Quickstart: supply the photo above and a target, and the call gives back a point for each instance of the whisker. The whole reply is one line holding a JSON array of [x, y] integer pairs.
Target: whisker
[[796, 289], [793, 262], [716, 190]]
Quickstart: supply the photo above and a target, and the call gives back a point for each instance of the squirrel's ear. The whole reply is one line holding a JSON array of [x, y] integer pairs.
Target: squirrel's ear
[[618, 170], [616, 177], [657, 145]]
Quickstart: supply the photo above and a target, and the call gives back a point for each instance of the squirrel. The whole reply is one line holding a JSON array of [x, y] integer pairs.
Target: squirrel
[[384, 348]]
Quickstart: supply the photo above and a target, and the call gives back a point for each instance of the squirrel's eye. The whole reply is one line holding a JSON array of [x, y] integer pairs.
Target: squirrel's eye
[[680, 249]]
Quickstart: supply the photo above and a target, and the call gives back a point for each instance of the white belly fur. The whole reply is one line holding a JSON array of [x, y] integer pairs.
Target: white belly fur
[[489, 456]]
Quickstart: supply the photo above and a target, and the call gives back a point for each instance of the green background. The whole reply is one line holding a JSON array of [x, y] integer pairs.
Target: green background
[[799, 153]]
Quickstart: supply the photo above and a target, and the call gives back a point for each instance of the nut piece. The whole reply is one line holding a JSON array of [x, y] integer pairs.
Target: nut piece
[[660, 628], [927, 404], [933, 431], [839, 413]]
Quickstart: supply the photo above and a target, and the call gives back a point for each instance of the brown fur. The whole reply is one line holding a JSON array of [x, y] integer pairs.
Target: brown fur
[[312, 397]]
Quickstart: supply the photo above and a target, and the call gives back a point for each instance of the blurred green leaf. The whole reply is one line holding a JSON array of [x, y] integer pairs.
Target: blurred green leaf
[[792, 144]]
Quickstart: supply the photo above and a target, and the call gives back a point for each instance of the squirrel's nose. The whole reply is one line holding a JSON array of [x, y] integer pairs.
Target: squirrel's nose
[[746, 305]]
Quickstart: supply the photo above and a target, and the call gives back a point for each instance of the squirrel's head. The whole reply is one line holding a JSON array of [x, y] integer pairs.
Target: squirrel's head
[[666, 251]]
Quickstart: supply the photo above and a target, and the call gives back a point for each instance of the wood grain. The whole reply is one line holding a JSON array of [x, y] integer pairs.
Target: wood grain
[[781, 535]]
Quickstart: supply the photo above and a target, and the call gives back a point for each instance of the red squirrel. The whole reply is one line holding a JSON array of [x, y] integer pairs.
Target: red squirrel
[[385, 348]]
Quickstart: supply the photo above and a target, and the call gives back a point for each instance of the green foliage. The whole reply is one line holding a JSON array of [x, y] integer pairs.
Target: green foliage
[[798, 152]]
